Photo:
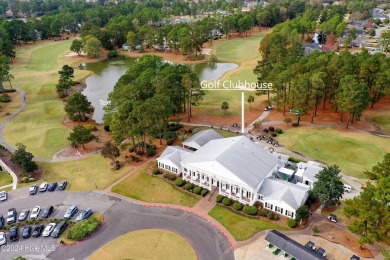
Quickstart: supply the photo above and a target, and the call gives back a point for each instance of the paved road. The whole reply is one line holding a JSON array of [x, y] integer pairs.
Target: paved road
[[120, 217]]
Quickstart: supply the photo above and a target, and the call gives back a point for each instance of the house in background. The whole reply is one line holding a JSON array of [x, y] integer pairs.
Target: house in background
[[239, 169]]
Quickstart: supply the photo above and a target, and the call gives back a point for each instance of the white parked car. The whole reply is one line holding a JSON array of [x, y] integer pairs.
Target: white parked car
[[3, 195], [3, 239], [35, 212], [23, 215], [347, 188], [49, 229], [43, 187]]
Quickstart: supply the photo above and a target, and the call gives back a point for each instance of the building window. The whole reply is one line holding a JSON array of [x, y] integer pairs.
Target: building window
[[268, 205], [279, 209], [289, 213], [185, 169]]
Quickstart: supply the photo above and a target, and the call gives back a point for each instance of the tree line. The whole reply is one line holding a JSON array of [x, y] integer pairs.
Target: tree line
[[146, 96], [350, 82]]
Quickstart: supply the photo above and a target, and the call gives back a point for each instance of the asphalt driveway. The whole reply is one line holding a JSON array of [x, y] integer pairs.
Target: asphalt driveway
[[120, 217]]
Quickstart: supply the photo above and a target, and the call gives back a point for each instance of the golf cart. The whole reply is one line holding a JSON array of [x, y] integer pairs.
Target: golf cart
[[332, 218]]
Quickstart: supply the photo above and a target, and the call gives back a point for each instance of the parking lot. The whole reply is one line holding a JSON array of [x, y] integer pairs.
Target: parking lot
[[61, 200]]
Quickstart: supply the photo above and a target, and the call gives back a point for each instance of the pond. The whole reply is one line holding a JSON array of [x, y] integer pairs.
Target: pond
[[107, 73]]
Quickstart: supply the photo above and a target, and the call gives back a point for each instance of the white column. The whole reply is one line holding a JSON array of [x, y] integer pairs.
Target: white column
[[242, 113]]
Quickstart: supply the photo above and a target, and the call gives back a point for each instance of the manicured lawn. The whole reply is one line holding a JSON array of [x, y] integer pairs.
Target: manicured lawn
[[40, 126], [5, 179], [6, 189], [146, 244], [94, 171], [9, 107], [353, 151], [382, 121], [142, 186], [240, 227]]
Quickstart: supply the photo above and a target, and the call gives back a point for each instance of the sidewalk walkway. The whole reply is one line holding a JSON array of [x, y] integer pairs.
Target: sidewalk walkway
[[207, 202]]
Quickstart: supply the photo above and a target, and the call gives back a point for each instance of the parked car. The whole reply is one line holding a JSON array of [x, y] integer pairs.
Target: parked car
[[1, 221], [321, 252], [14, 234], [48, 229], [347, 188], [26, 232], [33, 189], [62, 185], [332, 218], [35, 212], [60, 228], [84, 214], [70, 212], [11, 216], [3, 239], [3, 196], [37, 230], [23, 215], [52, 186], [43, 187], [47, 212]]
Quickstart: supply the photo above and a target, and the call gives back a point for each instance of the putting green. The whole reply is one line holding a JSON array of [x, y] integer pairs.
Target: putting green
[[147, 244], [40, 126], [353, 151]]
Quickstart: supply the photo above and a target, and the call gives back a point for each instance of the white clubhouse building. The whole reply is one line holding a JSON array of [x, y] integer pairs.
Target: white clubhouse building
[[239, 168]]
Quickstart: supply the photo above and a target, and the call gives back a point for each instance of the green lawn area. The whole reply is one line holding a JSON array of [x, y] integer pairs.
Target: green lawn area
[[6, 189], [94, 171], [339, 212], [5, 179], [151, 244], [240, 227], [40, 126], [381, 121], [144, 187], [353, 151]]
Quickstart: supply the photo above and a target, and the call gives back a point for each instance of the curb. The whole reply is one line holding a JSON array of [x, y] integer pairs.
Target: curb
[[82, 240]]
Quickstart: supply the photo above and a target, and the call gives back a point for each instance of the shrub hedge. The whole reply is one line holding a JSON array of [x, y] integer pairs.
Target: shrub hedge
[[204, 192], [278, 131], [156, 171], [179, 182], [292, 223], [270, 215], [274, 134], [237, 206], [226, 202], [220, 198], [295, 124], [271, 128], [265, 130], [83, 228], [250, 210], [188, 186], [197, 190]]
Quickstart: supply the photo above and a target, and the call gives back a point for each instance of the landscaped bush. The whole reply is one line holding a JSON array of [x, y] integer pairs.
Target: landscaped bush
[[156, 171], [295, 124], [180, 126], [179, 182], [265, 130], [220, 198], [195, 130], [188, 186], [270, 215], [83, 228], [150, 152], [250, 210], [135, 158], [274, 134], [226, 202], [278, 131], [170, 176], [169, 141], [197, 190], [107, 128], [315, 229], [174, 128], [263, 212], [292, 223], [237, 206], [91, 127], [169, 135], [204, 192], [139, 152], [276, 217], [5, 98], [271, 129], [8, 90]]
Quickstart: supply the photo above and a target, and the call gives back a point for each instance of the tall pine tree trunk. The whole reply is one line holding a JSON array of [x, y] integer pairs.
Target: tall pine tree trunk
[[349, 113]]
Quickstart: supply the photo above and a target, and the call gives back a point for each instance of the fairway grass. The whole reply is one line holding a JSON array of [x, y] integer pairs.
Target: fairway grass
[[242, 228], [40, 126], [141, 186], [353, 151], [95, 173], [381, 121], [146, 244], [243, 51]]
